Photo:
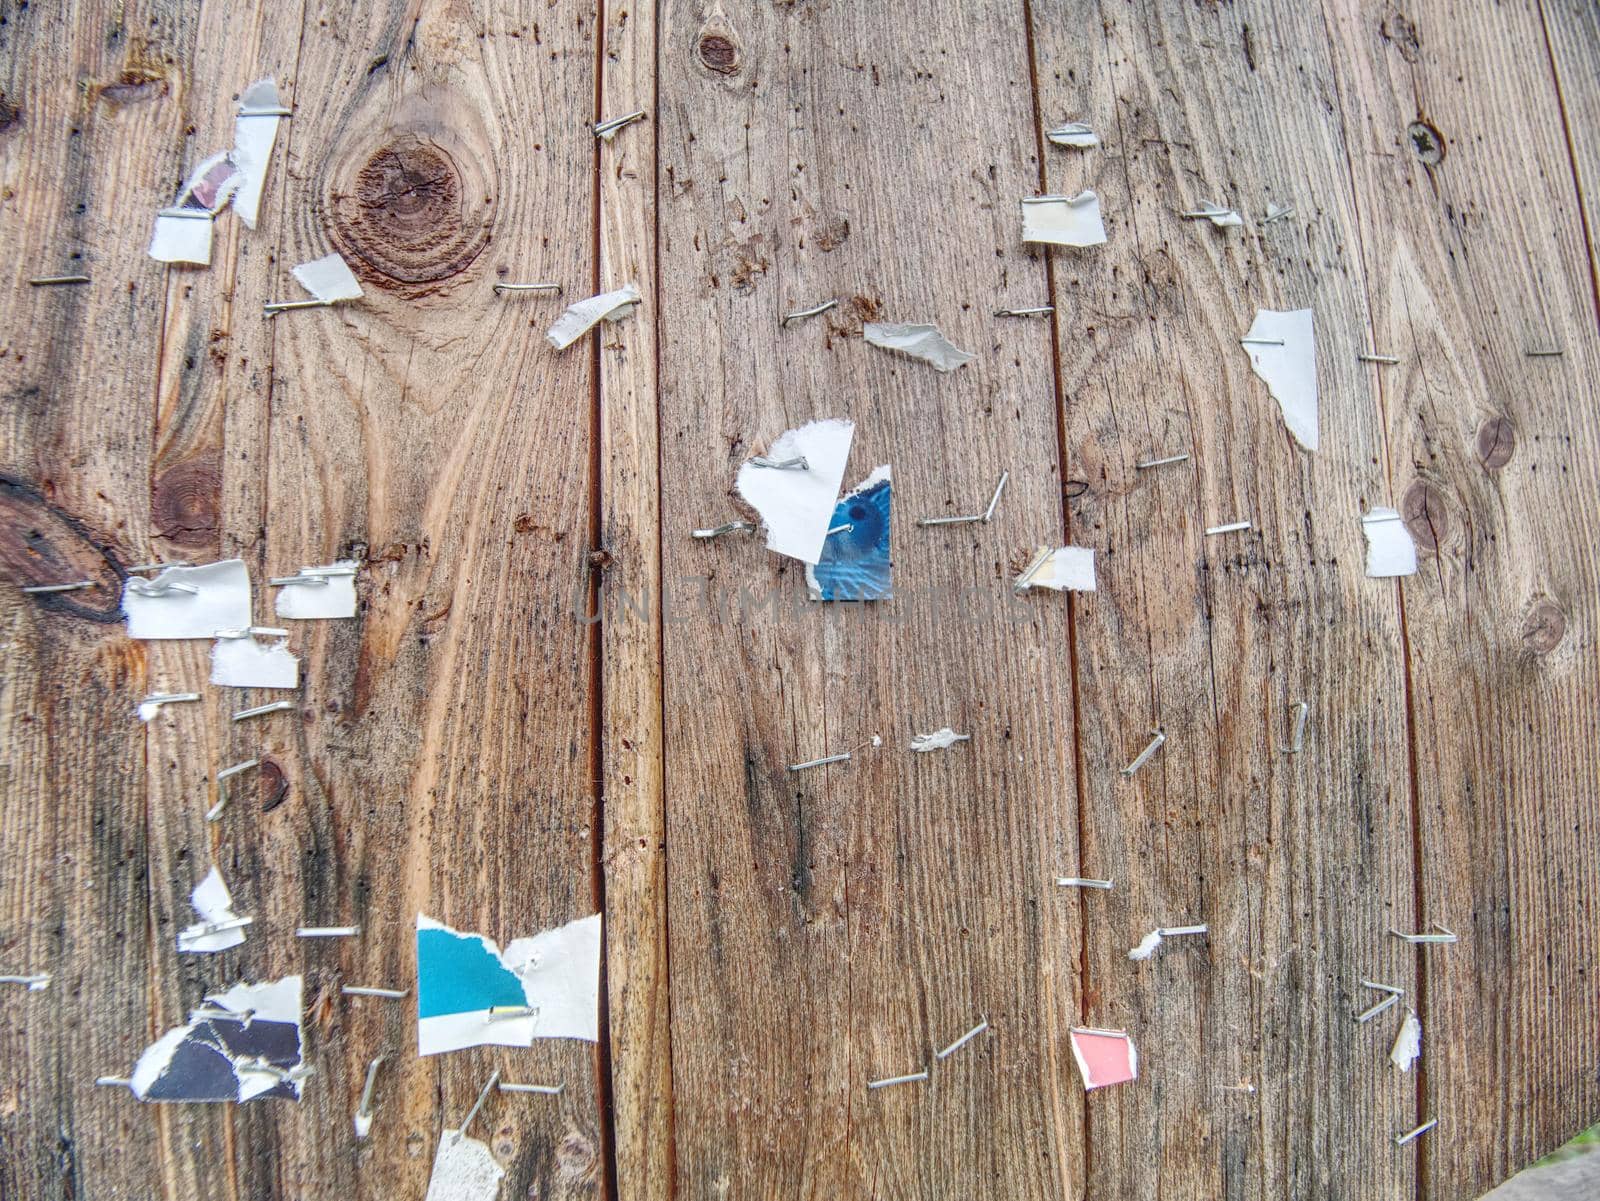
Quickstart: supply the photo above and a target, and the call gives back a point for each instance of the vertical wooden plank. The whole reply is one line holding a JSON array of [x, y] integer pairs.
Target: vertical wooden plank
[[207, 490], [1572, 32], [442, 759], [833, 926], [635, 861], [1466, 198], [90, 134], [1297, 863]]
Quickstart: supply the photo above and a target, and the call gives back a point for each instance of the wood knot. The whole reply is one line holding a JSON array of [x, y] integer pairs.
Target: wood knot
[[186, 502], [134, 85], [718, 53], [1426, 141], [411, 214], [1425, 515], [1543, 626], [272, 785], [1497, 440]]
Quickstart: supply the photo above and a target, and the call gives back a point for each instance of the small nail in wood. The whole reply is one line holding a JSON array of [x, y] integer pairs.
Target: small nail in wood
[[1143, 757], [501, 289], [1401, 1140], [839, 758], [963, 1040]]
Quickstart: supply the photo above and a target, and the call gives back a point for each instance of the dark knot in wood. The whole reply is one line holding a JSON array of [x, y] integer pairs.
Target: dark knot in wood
[[186, 500], [1497, 441], [412, 216], [1423, 508], [719, 54]]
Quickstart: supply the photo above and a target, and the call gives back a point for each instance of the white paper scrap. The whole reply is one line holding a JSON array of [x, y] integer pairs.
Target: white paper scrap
[[253, 137], [583, 316], [328, 278], [464, 1169], [1407, 1043], [1063, 220], [181, 239], [214, 904], [797, 505], [221, 601], [1073, 133], [1218, 215], [923, 342], [310, 602], [463, 978], [1147, 946], [1066, 569], [937, 741], [1289, 370], [237, 1046], [247, 663], [1390, 550]]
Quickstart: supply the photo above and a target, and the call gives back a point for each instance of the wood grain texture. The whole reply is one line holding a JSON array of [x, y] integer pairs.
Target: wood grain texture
[[1475, 255], [1297, 863], [630, 616], [833, 926]]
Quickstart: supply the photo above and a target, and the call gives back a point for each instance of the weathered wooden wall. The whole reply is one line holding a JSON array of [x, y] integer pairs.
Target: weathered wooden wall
[[555, 701]]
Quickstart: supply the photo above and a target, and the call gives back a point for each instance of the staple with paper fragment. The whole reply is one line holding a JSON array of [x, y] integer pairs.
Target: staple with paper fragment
[[1073, 133], [1063, 220], [255, 130], [219, 926], [923, 342], [1283, 353], [1148, 944], [1219, 215], [854, 564], [584, 315], [317, 593], [937, 741], [550, 985], [797, 507], [188, 602], [238, 1046], [1104, 1057], [249, 663], [1063, 569], [1390, 549], [1407, 1042], [328, 279]]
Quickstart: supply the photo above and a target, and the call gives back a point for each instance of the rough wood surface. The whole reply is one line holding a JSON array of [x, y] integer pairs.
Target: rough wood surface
[[554, 701]]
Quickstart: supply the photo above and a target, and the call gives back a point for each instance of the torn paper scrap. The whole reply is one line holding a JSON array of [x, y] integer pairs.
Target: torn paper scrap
[[1064, 569], [1407, 1043], [937, 741], [1217, 214], [248, 663], [210, 185], [547, 986], [1073, 133], [923, 342], [1283, 352], [1104, 1057], [1063, 220], [214, 904], [464, 1169], [797, 506], [1148, 944], [255, 130], [1390, 550], [237, 1046], [188, 602], [181, 237], [329, 278], [583, 316], [1276, 212], [313, 601], [854, 565]]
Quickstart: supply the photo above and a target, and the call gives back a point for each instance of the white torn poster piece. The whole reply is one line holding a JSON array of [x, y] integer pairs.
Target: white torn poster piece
[[255, 130], [188, 602], [1063, 220], [237, 1046], [248, 663], [1064, 569], [1407, 1043], [1104, 1057], [464, 1169], [1390, 550], [796, 504], [1283, 352], [214, 904], [314, 601], [583, 316], [1217, 214], [923, 342], [1073, 133], [938, 740], [180, 237], [471, 994], [328, 278]]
